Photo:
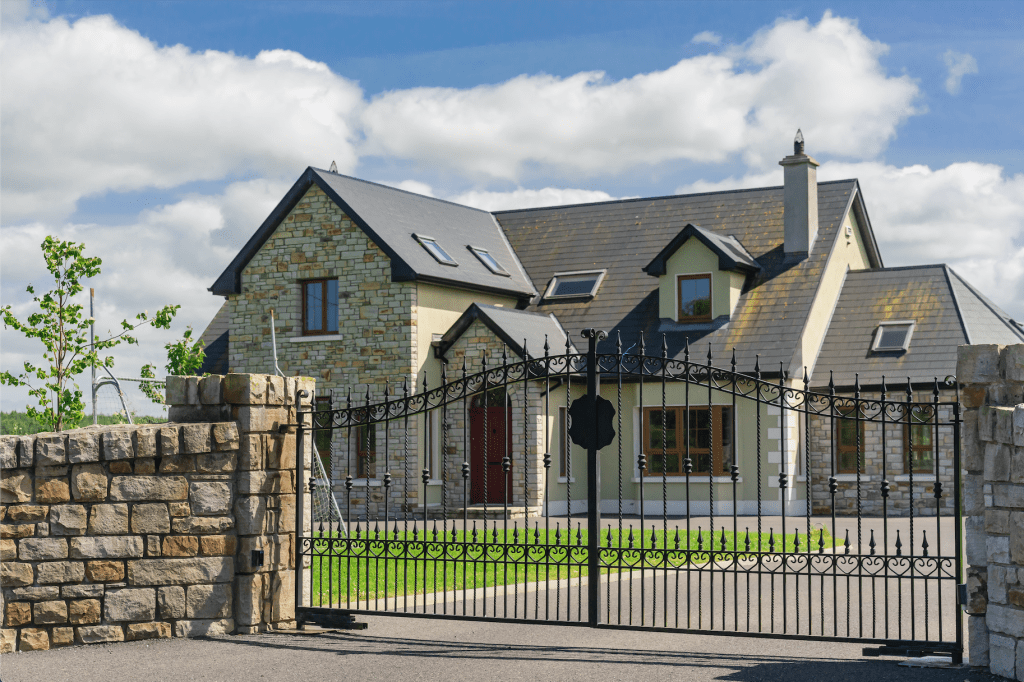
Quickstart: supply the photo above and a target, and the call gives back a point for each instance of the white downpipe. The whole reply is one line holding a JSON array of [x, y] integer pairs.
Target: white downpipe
[[273, 342]]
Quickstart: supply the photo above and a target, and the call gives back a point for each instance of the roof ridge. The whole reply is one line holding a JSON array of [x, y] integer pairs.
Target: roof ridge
[[666, 196], [900, 267], [399, 189], [992, 307]]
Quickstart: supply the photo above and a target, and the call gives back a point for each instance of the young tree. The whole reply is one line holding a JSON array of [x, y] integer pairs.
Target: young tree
[[64, 332], [184, 358]]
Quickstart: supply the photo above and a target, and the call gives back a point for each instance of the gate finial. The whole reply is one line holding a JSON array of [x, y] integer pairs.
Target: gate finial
[[757, 366], [664, 346], [686, 349], [526, 353], [618, 343], [547, 348]]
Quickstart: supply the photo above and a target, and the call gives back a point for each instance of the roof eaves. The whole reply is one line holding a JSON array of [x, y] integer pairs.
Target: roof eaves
[[988, 304], [867, 233], [956, 304]]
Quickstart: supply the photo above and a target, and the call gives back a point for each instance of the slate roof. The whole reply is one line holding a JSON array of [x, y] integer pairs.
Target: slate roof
[[624, 236], [947, 312], [390, 217], [512, 326], [216, 338]]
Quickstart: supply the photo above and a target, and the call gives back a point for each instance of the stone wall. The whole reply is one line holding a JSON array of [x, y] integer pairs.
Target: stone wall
[[993, 459], [877, 467], [136, 532]]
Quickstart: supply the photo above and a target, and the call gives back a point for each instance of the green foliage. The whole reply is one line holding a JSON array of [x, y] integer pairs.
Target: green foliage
[[63, 329], [184, 358], [21, 424]]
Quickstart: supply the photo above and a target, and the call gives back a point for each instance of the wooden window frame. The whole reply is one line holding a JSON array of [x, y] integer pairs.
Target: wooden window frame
[[928, 425], [846, 449], [695, 319], [322, 437], [323, 331], [718, 465], [366, 459]]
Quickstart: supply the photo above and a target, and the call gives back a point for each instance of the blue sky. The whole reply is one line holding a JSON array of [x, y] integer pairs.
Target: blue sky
[[161, 133]]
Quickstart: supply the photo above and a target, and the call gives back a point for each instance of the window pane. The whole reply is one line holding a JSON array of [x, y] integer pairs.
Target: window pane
[[436, 251], [728, 457], [574, 287], [314, 306], [847, 460], [847, 433], [701, 462], [894, 336], [657, 430], [331, 305], [695, 297], [699, 431]]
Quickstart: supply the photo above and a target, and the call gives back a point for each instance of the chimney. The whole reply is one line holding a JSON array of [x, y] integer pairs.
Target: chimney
[[800, 199]]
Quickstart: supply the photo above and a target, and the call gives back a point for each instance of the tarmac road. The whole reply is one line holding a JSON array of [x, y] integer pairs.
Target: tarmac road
[[413, 649]]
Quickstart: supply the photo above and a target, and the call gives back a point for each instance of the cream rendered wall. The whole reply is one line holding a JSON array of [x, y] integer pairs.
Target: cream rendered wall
[[438, 308], [694, 258], [848, 253]]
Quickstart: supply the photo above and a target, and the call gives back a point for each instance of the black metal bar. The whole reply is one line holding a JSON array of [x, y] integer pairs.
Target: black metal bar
[[593, 484]]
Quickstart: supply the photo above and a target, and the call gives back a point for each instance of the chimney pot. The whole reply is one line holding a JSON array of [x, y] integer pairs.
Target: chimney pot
[[798, 143], [800, 199]]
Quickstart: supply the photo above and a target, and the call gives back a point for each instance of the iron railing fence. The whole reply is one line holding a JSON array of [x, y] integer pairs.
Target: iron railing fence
[[487, 530]]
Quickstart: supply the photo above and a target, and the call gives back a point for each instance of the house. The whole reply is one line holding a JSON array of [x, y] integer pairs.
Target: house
[[376, 291]]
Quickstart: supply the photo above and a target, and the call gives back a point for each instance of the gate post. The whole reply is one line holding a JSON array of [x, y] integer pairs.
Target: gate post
[[300, 506], [593, 483]]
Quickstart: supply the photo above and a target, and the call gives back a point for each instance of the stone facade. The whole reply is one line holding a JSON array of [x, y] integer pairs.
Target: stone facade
[[876, 469], [993, 435], [135, 532]]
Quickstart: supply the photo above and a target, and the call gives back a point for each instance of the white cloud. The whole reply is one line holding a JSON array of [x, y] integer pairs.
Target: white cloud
[[167, 255], [529, 198], [92, 107], [414, 186], [958, 65], [749, 100], [968, 215], [13, 11], [709, 37]]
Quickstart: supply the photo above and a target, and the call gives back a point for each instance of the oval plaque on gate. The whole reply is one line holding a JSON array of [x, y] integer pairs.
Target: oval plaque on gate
[[583, 430]]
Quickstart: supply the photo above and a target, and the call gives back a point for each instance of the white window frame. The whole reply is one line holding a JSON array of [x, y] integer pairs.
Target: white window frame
[[483, 255], [432, 446], [424, 240], [553, 284], [876, 348]]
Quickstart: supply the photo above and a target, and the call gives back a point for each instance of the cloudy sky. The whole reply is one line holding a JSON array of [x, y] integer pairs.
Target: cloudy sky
[[162, 134]]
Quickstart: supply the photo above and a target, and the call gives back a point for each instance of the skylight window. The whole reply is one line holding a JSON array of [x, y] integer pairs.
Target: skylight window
[[893, 336], [575, 284], [435, 250], [489, 262]]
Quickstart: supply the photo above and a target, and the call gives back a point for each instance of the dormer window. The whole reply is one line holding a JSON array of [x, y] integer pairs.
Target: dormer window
[[694, 295], [583, 284], [489, 262], [435, 250], [893, 336]]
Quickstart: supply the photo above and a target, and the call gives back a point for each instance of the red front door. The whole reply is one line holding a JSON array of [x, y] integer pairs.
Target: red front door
[[485, 463]]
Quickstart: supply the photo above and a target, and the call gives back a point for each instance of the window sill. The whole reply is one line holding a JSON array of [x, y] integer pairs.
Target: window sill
[[918, 478], [320, 337], [434, 481], [563, 479], [694, 478], [364, 483]]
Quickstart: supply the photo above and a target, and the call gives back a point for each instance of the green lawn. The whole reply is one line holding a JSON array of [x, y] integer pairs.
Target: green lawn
[[20, 424], [527, 557]]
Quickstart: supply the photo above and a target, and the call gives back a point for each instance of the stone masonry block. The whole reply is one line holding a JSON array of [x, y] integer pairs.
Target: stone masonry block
[[973, 448], [52, 490], [985, 421], [251, 452], [304, 388], [1012, 363], [171, 601], [108, 519], [112, 547], [180, 546], [196, 438], [26, 451], [37, 593], [1018, 426], [249, 599], [49, 612], [42, 549], [217, 545], [50, 450], [975, 537], [974, 495], [34, 639], [997, 462], [145, 488], [1017, 541], [225, 436], [216, 462], [1008, 495], [14, 574], [1005, 619], [151, 518], [258, 418], [8, 452], [282, 596], [156, 630], [117, 445], [67, 519], [210, 390], [175, 391], [275, 390], [250, 515], [83, 446], [195, 414], [95, 634], [8, 549], [209, 601], [204, 628], [281, 449], [88, 483], [169, 440], [187, 571], [8, 640], [977, 364], [210, 498], [145, 442], [129, 605], [1002, 655], [15, 487], [17, 613], [84, 612], [28, 513], [192, 390], [81, 591], [178, 464], [202, 525], [245, 389], [1002, 424], [60, 572]]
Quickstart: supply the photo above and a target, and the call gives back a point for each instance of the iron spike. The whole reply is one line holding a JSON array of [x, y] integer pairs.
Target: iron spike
[[643, 346], [547, 348], [405, 389], [747, 541], [474, 531], [771, 539], [686, 349], [465, 470], [847, 542], [709, 354], [935, 391], [871, 543], [757, 366], [618, 343], [504, 355], [924, 542], [733, 362], [465, 366], [883, 387], [630, 538], [831, 384], [526, 353], [856, 384], [677, 537], [910, 391], [387, 389], [444, 371], [782, 374], [664, 346], [700, 540], [899, 544]]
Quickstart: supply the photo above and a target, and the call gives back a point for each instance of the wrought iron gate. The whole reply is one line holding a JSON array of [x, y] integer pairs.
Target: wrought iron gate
[[743, 505]]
